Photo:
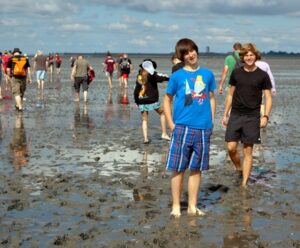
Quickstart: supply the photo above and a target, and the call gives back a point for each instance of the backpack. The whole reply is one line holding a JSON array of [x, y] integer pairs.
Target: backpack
[[238, 62], [125, 65], [19, 66]]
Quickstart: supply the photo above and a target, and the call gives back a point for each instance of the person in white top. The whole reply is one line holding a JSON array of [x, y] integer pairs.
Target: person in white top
[[266, 67]]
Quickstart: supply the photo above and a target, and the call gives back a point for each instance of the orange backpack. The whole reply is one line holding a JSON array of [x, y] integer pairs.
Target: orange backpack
[[19, 66]]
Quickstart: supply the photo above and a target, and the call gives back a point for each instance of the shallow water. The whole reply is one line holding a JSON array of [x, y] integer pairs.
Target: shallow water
[[78, 174]]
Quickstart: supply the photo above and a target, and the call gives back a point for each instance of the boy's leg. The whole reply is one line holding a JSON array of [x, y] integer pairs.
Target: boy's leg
[[247, 163], [176, 187], [234, 155], [193, 189]]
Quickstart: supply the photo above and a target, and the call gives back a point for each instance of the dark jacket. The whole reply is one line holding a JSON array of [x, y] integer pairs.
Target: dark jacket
[[151, 90]]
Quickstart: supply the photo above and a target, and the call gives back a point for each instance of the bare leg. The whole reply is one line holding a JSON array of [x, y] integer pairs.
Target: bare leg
[[234, 154], [18, 100], [164, 134], [125, 81], [110, 82], [176, 187], [247, 163], [77, 97], [85, 93], [193, 189], [145, 125]]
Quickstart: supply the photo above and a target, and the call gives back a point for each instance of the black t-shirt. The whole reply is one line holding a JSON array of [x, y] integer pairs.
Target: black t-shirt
[[249, 87]]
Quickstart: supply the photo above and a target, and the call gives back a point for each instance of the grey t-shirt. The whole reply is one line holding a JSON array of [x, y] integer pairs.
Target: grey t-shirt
[[40, 61], [82, 66]]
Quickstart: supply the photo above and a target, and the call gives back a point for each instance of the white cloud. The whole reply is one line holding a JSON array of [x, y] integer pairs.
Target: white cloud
[[75, 27], [9, 22], [139, 42], [116, 26]]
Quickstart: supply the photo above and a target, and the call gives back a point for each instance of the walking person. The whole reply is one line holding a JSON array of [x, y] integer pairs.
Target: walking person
[[125, 67], [5, 58], [50, 60], [80, 76], [230, 63], [40, 65], [146, 96], [119, 73], [242, 107], [109, 66], [58, 62], [265, 67], [191, 122], [18, 66], [1, 71]]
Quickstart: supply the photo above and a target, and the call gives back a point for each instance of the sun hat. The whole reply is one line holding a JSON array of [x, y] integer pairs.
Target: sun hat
[[148, 66]]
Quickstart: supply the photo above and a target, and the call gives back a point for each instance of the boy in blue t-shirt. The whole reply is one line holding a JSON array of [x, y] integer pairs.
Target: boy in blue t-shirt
[[193, 113]]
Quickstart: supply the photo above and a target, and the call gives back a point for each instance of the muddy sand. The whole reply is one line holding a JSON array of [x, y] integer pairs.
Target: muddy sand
[[78, 175]]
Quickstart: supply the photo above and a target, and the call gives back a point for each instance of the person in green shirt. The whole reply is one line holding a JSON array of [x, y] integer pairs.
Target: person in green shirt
[[229, 65]]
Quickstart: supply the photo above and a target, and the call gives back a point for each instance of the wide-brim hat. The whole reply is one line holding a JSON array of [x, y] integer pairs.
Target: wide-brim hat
[[149, 66], [16, 50]]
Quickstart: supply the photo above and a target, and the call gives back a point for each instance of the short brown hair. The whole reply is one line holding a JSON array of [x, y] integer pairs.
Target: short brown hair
[[184, 46], [237, 46], [249, 47]]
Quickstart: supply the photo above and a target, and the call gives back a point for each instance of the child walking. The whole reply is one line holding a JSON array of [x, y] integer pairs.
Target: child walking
[[146, 96], [191, 122]]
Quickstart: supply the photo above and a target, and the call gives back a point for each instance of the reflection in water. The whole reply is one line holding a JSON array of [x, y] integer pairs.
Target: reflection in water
[[123, 96], [144, 193], [123, 110], [246, 237], [19, 148], [109, 111], [82, 122]]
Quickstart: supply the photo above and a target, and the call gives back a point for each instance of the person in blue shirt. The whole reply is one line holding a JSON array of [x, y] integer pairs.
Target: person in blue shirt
[[191, 121]]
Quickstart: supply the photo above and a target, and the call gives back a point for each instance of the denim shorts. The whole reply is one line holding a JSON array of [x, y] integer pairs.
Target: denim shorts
[[149, 107], [40, 74], [189, 149]]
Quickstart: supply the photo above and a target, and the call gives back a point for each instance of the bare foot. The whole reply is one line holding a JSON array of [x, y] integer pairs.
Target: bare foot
[[196, 212], [175, 214], [165, 137]]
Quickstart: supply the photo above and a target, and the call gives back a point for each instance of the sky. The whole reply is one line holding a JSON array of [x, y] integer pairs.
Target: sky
[[147, 26]]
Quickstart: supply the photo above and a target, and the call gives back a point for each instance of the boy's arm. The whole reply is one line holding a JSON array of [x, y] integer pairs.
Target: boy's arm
[[268, 106], [223, 77], [212, 105], [168, 99], [228, 104]]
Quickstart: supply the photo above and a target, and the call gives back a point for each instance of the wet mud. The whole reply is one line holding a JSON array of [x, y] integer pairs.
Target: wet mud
[[78, 175]]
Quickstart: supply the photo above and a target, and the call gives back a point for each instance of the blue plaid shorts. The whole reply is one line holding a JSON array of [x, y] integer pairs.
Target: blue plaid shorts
[[189, 149]]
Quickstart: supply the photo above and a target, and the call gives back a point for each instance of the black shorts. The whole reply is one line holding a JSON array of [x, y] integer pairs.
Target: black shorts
[[81, 81], [243, 128]]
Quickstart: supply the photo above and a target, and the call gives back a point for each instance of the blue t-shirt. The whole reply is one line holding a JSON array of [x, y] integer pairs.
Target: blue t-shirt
[[192, 100]]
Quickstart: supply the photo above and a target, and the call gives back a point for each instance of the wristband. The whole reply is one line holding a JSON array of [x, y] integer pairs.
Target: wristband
[[266, 117]]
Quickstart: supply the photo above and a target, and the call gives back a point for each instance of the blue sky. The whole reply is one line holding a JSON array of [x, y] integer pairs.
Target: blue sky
[[147, 26]]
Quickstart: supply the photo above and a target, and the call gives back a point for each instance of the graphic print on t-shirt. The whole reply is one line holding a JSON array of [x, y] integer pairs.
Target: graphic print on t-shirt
[[197, 93]]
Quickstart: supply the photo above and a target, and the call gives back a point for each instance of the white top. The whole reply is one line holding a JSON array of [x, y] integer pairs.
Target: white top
[[265, 67]]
